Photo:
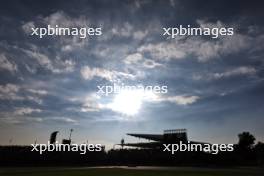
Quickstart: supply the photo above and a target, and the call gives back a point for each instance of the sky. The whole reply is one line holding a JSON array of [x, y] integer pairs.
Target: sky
[[215, 86]]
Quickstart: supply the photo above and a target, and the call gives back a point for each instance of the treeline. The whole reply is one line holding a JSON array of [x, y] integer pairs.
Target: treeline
[[246, 153]]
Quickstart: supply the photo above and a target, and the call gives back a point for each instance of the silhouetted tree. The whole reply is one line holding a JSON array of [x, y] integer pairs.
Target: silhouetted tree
[[259, 149], [246, 140], [244, 149]]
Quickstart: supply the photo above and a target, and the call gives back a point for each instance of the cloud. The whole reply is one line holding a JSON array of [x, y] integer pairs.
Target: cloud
[[91, 104], [20, 115], [38, 92], [201, 49], [59, 18], [13, 92], [163, 51], [88, 103], [35, 95], [139, 3], [133, 58], [234, 72], [5, 64], [183, 99], [139, 35], [66, 66], [42, 59], [63, 119], [124, 31], [56, 65], [244, 70], [9, 92], [208, 50], [127, 30], [27, 27], [151, 64], [224, 45], [179, 99], [89, 73], [35, 99], [139, 60], [196, 46], [62, 19], [9, 88], [173, 3], [205, 24], [26, 111]]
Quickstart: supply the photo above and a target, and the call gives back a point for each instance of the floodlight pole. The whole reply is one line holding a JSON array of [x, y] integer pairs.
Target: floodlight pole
[[70, 134]]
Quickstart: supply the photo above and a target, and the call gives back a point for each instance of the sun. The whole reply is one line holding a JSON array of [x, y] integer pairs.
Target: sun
[[128, 102]]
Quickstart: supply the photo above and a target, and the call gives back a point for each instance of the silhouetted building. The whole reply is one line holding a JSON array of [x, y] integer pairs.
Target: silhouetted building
[[67, 141], [157, 140], [53, 137]]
